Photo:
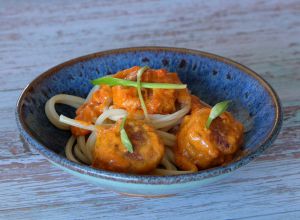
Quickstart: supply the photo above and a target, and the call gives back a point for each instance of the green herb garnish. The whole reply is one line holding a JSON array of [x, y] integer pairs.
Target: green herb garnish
[[111, 81], [138, 80], [216, 111], [124, 138]]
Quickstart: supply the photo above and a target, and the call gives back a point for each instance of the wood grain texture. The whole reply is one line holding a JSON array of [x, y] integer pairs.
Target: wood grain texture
[[36, 35]]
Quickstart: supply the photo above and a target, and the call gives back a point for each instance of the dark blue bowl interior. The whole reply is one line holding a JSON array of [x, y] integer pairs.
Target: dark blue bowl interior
[[208, 78]]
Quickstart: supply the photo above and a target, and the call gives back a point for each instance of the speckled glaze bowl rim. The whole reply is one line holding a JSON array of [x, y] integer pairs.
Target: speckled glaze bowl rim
[[148, 179]]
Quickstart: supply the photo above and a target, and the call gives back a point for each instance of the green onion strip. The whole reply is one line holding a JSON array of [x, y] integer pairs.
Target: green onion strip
[[139, 76], [111, 81], [216, 111], [124, 138]]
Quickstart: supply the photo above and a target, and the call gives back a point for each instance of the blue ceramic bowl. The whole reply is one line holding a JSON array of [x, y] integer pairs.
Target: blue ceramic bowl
[[211, 77]]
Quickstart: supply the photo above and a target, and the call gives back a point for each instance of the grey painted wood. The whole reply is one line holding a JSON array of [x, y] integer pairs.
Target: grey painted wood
[[263, 35]]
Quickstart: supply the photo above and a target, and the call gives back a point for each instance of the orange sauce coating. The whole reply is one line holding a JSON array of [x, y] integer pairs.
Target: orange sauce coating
[[197, 148], [200, 148], [90, 110], [158, 101], [110, 154]]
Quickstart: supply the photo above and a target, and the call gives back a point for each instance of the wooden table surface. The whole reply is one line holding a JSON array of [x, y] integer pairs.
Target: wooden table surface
[[263, 35]]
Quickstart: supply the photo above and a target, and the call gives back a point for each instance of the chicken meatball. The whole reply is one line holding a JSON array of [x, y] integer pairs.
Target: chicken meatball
[[157, 101], [200, 148], [110, 154]]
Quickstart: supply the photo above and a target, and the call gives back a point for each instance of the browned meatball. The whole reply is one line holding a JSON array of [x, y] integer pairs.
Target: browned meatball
[[110, 154], [157, 101], [201, 148]]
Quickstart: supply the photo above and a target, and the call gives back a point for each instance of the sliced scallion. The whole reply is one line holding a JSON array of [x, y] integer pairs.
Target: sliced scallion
[[124, 138], [216, 111], [139, 90], [111, 81]]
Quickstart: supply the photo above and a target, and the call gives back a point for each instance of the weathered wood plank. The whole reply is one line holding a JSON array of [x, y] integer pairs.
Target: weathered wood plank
[[49, 191], [107, 22]]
